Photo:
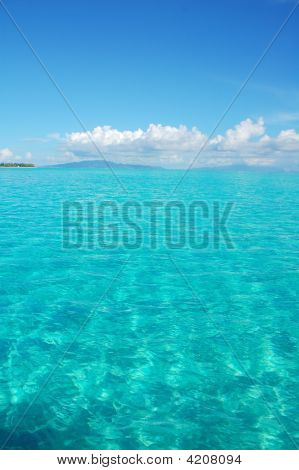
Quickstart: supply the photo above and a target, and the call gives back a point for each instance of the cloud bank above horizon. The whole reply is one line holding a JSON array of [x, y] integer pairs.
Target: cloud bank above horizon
[[247, 143]]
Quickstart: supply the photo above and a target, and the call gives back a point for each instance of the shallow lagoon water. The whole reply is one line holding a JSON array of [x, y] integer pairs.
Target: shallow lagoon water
[[207, 360]]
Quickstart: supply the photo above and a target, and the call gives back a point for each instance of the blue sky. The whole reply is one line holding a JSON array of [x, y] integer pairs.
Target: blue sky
[[133, 63]]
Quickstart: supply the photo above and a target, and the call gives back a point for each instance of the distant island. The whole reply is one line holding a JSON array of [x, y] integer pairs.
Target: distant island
[[17, 165], [122, 166], [103, 164]]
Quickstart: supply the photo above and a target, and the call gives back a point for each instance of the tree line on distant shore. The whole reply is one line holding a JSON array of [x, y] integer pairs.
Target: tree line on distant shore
[[17, 165]]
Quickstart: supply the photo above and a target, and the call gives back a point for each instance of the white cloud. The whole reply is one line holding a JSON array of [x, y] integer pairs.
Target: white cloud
[[283, 117], [7, 156], [288, 140], [28, 156], [44, 139], [155, 137], [246, 143], [242, 133]]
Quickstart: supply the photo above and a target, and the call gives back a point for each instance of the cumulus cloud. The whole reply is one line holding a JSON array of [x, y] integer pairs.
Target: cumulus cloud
[[155, 138], [246, 143], [7, 156], [242, 133]]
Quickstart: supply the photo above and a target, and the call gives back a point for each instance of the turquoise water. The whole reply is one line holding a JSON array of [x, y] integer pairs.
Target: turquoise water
[[196, 350]]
